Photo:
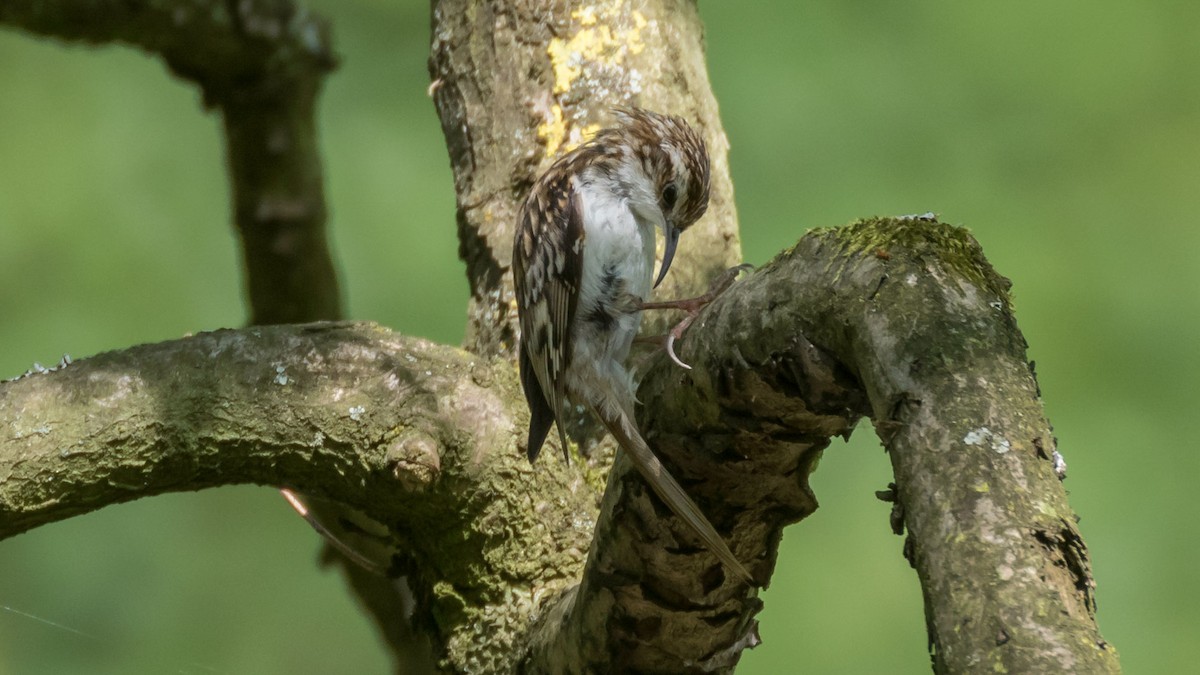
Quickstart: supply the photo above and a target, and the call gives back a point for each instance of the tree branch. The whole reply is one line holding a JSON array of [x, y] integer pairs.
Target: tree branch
[[261, 63], [900, 319], [400, 428], [913, 311], [908, 322], [275, 406]]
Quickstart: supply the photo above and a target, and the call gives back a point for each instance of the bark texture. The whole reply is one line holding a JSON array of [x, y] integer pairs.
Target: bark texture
[[912, 310], [402, 429]]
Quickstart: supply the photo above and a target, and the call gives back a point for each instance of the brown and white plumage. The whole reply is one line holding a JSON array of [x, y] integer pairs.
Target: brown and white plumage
[[583, 259]]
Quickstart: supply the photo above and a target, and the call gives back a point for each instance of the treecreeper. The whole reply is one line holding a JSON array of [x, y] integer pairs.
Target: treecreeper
[[583, 263]]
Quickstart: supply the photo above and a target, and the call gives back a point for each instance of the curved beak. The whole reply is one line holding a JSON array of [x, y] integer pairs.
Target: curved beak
[[672, 235]]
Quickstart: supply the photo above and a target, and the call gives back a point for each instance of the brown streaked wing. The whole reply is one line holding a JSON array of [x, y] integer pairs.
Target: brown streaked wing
[[548, 264]]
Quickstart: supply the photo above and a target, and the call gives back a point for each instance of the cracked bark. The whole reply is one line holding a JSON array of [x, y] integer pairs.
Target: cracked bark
[[899, 320]]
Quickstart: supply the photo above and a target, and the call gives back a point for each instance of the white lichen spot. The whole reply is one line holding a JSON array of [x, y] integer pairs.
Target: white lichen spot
[[356, 412], [318, 440], [986, 437], [410, 358], [911, 279], [988, 515], [122, 388], [583, 523], [1060, 465], [281, 377], [635, 81]]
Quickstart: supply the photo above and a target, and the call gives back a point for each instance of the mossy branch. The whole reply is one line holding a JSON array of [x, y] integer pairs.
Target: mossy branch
[[899, 319]]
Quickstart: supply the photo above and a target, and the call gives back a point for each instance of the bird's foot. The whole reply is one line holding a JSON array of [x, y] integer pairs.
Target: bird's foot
[[692, 306]]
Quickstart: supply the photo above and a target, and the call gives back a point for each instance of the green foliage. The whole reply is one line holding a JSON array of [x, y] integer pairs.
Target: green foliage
[[1064, 135]]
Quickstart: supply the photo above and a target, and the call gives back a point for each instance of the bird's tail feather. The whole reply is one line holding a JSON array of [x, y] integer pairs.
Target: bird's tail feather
[[620, 425]]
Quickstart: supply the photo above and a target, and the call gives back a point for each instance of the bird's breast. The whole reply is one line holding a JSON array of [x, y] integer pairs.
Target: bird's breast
[[618, 261], [617, 247]]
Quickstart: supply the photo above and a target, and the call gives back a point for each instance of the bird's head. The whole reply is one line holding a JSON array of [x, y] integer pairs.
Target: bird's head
[[674, 166]]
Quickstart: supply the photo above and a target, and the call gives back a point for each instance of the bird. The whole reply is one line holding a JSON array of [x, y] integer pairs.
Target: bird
[[583, 259]]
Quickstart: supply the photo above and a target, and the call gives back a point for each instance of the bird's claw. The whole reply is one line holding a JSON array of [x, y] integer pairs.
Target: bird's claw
[[693, 306], [671, 349]]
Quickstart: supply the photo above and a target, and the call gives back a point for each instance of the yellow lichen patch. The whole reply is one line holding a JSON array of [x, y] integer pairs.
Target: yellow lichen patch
[[605, 36], [586, 134], [556, 137], [586, 16], [553, 131], [639, 22], [607, 33]]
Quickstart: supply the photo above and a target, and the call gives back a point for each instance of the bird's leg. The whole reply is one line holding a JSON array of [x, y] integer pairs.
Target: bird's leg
[[692, 306]]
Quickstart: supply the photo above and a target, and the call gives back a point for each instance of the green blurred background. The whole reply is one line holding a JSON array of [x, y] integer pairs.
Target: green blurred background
[[1066, 135]]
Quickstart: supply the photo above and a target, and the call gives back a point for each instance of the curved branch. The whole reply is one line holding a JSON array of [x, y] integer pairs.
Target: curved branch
[[900, 319], [292, 406], [956, 402], [928, 326], [401, 428], [261, 64]]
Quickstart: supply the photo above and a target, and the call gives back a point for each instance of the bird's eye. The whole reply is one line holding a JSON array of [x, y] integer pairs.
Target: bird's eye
[[669, 195]]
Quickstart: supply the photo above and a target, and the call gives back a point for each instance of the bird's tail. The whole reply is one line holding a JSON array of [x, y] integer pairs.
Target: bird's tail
[[621, 426]]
